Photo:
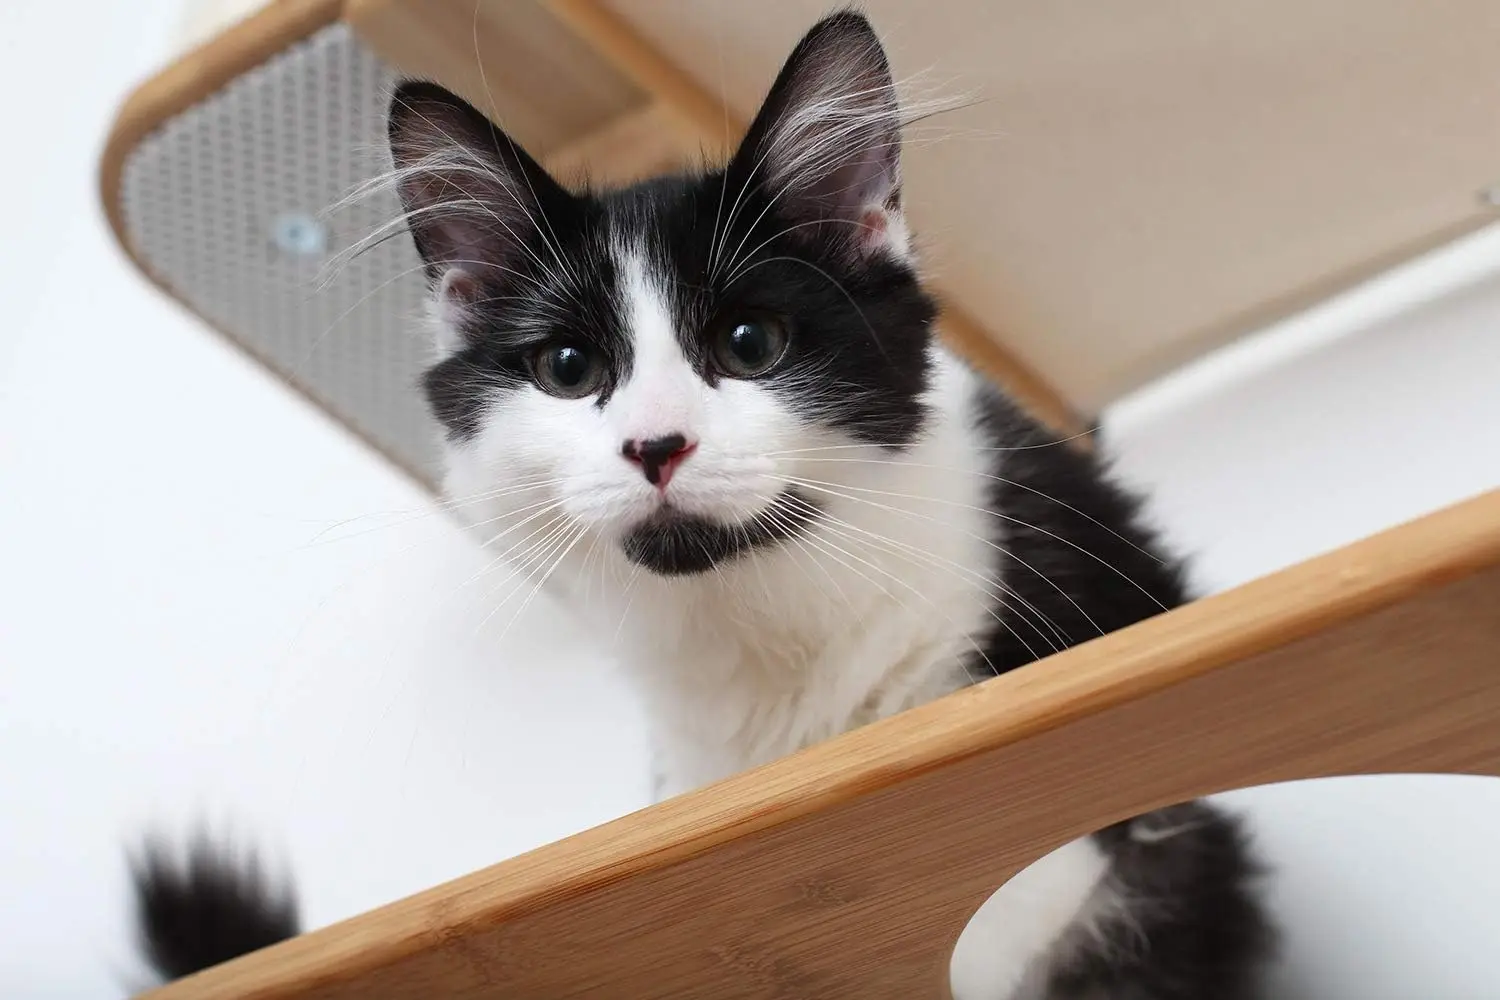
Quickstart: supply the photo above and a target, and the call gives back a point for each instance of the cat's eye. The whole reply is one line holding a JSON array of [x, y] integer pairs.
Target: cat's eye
[[748, 346], [568, 370]]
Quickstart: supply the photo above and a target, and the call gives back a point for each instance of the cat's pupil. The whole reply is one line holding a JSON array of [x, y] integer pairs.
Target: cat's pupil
[[569, 366], [751, 343]]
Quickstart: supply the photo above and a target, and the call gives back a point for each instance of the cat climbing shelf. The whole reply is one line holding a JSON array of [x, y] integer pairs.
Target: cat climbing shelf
[[1104, 213]]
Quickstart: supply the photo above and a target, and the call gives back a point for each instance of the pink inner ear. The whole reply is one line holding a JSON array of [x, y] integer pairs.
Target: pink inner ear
[[458, 291], [874, 229], [459, 287]]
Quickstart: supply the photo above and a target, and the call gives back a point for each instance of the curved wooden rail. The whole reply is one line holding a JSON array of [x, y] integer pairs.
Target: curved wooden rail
[[193, 77], [848, 870]]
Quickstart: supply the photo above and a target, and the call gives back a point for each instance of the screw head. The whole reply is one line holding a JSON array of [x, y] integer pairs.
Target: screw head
[[299, 234]]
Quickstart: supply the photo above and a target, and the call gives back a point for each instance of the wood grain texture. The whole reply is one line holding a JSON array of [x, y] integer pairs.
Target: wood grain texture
[[983, 349], [701, 117], [631, 148], [515, 61], [848, 870], [682, 123]]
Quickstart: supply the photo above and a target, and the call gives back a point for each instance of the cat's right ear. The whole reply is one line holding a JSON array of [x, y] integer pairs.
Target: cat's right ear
[[826, 144], [475, 202]]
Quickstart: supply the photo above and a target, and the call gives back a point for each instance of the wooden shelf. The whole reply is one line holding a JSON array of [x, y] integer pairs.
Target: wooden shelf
[[1131, 189], [848, 870], [619, 111]]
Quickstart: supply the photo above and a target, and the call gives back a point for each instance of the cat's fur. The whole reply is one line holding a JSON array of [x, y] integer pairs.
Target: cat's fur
[[206, 907], [863, 527]]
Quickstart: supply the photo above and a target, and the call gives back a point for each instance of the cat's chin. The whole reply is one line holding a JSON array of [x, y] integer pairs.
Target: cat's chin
[[673, 542]]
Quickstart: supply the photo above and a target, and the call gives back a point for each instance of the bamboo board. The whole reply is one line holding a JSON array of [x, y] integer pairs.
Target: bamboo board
[[848, 870]]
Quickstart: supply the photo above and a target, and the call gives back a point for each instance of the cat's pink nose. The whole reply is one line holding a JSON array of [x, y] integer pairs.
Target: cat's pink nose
[[659, 457]]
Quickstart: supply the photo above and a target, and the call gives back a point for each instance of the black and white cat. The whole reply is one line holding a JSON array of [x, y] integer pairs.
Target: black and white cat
[[712, 414]]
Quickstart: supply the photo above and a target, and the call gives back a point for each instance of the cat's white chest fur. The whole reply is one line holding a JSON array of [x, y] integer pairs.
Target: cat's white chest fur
[[746, 709], [876, 609]]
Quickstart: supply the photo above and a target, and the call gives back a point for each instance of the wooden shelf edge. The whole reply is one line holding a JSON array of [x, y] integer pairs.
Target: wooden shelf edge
[[1304, 673], [700, 117], [632, 147]]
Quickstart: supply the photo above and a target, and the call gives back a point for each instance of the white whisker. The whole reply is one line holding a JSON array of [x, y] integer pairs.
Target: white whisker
[[1014, 520], [984, 583], [814, 539], [824, 488], [998, 479]]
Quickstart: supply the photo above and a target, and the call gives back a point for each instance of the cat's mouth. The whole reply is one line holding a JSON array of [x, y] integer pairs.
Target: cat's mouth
[[673, 542]]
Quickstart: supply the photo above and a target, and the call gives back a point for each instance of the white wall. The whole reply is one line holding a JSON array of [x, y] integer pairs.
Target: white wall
[[214, 603], [1375, 408]]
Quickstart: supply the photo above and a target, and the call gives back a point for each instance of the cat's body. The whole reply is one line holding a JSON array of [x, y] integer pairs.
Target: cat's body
[[710, 415]]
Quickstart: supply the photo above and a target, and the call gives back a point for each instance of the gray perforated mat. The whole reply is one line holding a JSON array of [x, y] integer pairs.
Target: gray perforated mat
[[228, 203]]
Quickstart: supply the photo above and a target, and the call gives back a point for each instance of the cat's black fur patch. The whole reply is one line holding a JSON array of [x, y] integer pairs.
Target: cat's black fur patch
[[1079, 562], [461, 387], [677, 544], [1076, 560], [204, 909], [1192, 930], [871, 323]]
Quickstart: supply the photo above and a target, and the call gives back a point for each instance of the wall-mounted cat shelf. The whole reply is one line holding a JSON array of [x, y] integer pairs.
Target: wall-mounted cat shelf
[[1130, 188], [848, 870], [1138, 187]]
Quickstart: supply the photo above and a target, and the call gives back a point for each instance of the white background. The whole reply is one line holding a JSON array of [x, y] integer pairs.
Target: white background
[[216, 605]]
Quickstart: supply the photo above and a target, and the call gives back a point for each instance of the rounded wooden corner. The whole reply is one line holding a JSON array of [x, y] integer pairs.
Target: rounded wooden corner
[[190, 78]]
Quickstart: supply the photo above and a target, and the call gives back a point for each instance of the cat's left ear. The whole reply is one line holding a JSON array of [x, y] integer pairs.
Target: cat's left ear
[[826, 144], [475, 202]]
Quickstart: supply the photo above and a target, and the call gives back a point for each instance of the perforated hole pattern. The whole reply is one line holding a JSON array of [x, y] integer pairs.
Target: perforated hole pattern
[[206, 197]]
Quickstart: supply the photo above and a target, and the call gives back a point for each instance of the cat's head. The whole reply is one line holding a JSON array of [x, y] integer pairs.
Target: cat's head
[[649, 366]]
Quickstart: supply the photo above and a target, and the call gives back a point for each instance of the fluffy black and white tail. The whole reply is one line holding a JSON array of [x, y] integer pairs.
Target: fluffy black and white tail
[[206, 905]]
